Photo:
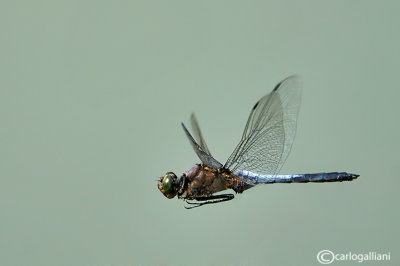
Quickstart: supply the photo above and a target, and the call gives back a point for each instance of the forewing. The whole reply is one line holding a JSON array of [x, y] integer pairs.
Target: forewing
[[270, 130], [197, 134], [205, 157]]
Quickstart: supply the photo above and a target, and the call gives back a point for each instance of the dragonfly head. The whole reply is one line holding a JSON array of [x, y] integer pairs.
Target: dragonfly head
[[168, 185]]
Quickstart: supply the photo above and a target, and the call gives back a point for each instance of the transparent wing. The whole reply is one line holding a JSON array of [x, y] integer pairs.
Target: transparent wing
[[270, 130], [205, 157], [197, 134]]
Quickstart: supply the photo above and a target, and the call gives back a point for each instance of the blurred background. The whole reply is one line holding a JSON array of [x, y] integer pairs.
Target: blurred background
[[92, 94]]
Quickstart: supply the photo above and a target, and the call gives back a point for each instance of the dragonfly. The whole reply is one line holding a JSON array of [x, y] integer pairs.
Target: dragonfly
[[262, 150]]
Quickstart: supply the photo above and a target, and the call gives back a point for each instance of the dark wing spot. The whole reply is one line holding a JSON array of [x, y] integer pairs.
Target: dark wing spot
[[277, 86], [255, 106]]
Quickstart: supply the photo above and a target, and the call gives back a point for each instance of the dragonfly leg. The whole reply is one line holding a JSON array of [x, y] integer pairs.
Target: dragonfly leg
[[209, 200]]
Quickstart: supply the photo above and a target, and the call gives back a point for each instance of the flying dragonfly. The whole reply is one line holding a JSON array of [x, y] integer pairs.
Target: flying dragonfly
[[265, 144]]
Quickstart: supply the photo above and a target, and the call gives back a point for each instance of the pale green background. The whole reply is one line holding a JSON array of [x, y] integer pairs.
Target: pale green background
[[92, 95]]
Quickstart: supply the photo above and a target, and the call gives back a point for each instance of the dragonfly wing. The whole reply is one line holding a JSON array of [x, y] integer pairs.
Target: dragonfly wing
[[270, 130], [197, 134], [205, 157]]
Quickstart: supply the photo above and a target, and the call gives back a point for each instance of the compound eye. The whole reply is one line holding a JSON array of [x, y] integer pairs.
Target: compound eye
[[167, 183]]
